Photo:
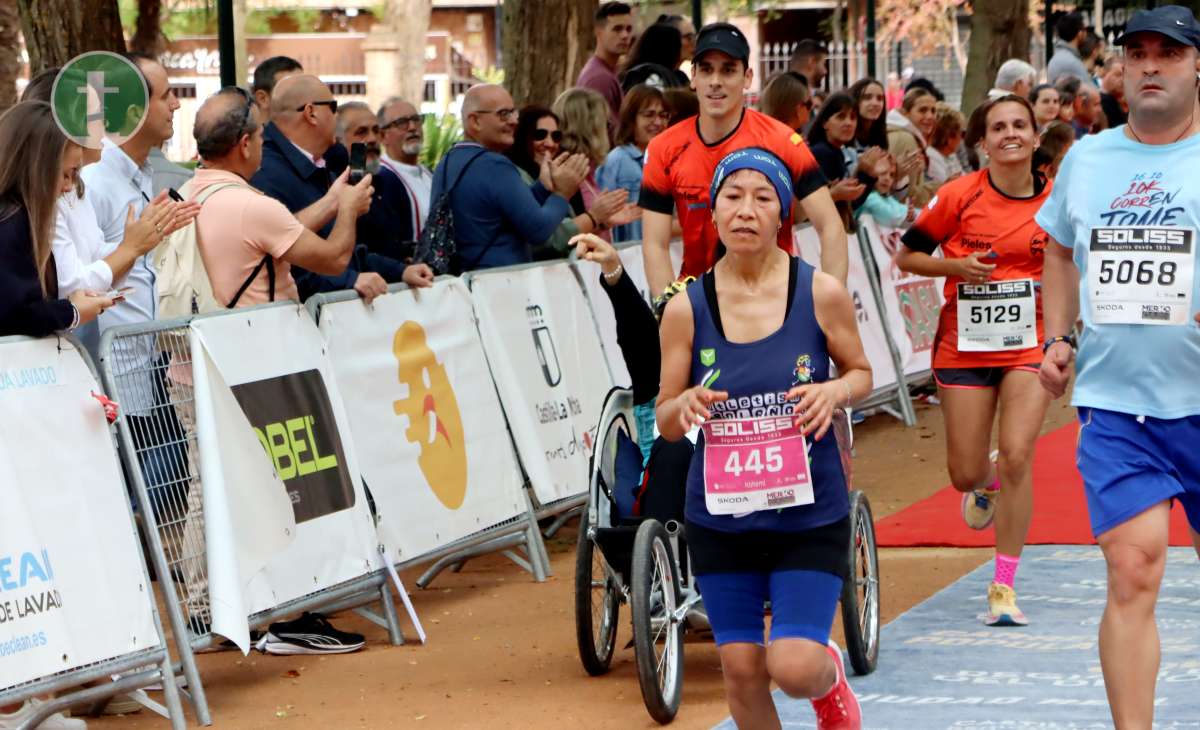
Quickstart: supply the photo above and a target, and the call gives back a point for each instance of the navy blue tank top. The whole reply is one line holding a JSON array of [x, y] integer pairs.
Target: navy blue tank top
[[757, 375]]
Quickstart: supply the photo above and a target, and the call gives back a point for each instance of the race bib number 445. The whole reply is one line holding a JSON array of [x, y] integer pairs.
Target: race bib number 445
[[1141, 275], [754, 464]]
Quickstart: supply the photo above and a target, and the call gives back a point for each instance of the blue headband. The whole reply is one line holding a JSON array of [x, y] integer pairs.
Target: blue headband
[[755, 158]]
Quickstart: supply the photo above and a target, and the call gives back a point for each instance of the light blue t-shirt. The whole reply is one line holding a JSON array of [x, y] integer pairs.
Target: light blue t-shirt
[[1110, 181]]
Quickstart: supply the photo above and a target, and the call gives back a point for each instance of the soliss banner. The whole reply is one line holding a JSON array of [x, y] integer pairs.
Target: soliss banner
[[424, 415], [545, 356], [72, 587], [914, 303], [285, 512], [866, 309]]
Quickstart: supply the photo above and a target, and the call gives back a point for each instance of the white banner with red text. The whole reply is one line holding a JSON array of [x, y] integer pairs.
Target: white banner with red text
[[544, 352]]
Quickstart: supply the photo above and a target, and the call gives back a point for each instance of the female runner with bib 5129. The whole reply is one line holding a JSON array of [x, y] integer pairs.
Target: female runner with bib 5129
[[745, 355], [987, 352]]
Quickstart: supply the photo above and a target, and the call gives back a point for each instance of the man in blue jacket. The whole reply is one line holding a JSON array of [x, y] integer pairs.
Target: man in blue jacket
[[496, 215], [297, 171]]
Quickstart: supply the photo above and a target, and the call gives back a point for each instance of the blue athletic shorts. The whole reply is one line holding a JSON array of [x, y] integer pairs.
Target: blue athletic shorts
[[1130, 464], [802, 604]]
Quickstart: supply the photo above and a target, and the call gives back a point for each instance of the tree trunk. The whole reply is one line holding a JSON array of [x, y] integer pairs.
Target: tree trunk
[[10, 61], [147, 36], [55, 31], [543, 57], [999, 31], [409, 20]]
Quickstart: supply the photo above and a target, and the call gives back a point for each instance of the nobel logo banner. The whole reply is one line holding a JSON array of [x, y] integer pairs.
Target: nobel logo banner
[[72, 587], [285, 512], [545, 356], [426, 422], [866, 309], [914, 303], [589, 273], [306, 449]]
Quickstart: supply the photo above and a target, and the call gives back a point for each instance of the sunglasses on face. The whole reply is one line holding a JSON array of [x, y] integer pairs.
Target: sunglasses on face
[[541, 134], [332, 104], [417, 119]]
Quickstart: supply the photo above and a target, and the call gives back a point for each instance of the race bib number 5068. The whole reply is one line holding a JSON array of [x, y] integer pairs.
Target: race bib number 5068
[[1141, 275]]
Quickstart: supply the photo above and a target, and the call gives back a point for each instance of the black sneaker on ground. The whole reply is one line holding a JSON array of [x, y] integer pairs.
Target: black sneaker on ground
[[309, 634]]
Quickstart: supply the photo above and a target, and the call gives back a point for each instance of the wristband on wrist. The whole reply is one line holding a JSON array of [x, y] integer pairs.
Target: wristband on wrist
[[1069, 339], [592, 218], [74, 318]]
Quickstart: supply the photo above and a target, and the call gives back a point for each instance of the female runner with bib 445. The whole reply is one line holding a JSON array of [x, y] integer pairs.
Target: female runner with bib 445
[[987, 351], [745, 355]]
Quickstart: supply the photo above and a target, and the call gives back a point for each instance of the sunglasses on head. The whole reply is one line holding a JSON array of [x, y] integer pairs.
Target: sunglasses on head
[[541, 134]]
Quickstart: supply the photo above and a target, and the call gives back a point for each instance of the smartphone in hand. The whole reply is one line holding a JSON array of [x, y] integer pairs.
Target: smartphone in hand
[[358, 162]]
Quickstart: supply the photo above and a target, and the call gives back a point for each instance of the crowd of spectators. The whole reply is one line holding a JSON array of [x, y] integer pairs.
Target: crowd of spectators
[[282, 219]]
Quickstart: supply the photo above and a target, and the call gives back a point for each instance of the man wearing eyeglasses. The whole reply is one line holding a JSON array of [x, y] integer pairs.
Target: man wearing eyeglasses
[[297, 171], [497, 216], [403, 133]]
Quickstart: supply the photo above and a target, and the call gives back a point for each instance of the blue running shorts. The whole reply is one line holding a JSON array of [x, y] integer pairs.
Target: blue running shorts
[[1131, 463], [802, 604]]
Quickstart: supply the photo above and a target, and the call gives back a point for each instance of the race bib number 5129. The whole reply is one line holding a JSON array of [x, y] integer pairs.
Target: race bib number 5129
[[1141, 275]]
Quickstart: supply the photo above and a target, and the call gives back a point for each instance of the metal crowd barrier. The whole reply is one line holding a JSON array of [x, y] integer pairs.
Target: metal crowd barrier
[[147, 370], [516, 533], [124, 674]]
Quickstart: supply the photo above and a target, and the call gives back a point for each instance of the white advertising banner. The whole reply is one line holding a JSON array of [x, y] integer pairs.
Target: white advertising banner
[[72, 587], [290, 518], [426, 421], [866, 309], [589, 273], [913, 303], [545, 356]]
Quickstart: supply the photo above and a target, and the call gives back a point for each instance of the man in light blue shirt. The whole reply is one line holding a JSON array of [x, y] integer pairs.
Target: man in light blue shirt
[[123, 179], [1124, 216]]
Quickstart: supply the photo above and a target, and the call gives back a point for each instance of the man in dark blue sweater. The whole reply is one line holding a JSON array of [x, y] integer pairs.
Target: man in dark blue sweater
[[303, 168], [496, 215]]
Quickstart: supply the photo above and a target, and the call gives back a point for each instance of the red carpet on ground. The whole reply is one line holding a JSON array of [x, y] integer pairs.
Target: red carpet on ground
[[1060, 515]]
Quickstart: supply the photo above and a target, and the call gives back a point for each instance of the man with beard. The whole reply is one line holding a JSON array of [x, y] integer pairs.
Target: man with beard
[[403, 134], [356, 123], [303, 168]]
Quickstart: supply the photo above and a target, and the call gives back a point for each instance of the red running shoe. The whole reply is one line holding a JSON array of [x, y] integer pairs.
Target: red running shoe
[[839, 709]]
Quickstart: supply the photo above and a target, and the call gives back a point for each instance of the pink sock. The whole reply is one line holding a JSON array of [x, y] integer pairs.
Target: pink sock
[[1006, 569], [995, 486]]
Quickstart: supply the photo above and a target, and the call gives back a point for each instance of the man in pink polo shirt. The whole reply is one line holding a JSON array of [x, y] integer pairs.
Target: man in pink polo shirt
[[244, 235], [614, 36]]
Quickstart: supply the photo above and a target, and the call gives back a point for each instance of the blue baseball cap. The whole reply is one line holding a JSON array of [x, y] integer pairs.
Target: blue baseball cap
[[1174, 21]]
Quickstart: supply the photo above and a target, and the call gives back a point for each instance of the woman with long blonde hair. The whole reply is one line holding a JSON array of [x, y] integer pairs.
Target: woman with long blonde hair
[[37, 165], [583, 114]]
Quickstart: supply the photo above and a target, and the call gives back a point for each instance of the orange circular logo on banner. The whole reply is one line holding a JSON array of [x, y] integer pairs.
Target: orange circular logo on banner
[[434, 422]]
